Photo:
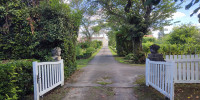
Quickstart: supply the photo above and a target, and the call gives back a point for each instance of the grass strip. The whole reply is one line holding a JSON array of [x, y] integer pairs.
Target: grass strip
[[122, 60], [84, 62]]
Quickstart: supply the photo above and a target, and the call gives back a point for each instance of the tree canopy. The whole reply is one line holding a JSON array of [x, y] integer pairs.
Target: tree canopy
[[184, 34], [136, 17]]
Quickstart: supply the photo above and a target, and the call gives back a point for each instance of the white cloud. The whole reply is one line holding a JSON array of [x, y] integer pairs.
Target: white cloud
[[197, 25], [167, 30], [178, 15], [66, 1], [155, 34], [95, 17]]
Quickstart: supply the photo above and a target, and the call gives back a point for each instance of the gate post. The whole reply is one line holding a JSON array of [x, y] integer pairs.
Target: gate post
[[35, 81], [62, 72], [173, 65], [147, 72]]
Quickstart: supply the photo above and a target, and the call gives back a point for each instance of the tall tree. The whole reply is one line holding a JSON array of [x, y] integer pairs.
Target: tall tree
[[89, 28], [90, 25], [138, 16], [184, 34]]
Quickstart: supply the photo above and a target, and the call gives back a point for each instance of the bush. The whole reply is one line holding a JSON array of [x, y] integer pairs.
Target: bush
[[84, 45], [16, 79], [130, 56], [83, 53], [90, 50], [146, 47], [174, 49], [148, 39], [136, 58], [54, 24]]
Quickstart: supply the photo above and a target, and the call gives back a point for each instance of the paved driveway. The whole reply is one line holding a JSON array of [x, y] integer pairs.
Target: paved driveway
[[104, 79]]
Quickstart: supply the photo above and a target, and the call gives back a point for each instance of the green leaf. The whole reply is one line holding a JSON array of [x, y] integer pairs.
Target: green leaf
[[196, 1], [189, 5], [195, 11]]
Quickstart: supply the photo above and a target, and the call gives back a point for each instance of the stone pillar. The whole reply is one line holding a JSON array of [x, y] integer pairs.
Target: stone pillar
[[155, 56], [56, 52]]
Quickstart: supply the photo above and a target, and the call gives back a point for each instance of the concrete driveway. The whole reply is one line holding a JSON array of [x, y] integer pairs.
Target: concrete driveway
[[104, 79]]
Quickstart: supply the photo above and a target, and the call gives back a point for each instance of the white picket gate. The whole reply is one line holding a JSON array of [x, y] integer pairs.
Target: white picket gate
[[160, 76], [46, 76], [173, 71]]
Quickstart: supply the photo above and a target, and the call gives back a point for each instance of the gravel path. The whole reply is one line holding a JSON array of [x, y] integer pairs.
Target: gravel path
[[104, 79]]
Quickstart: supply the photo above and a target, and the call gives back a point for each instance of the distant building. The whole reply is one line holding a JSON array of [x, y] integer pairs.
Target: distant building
[[148, 35], [162, 33], [98, 38], [83, 39]]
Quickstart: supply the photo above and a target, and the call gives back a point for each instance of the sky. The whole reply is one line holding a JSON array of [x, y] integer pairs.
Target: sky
[[183, 16]]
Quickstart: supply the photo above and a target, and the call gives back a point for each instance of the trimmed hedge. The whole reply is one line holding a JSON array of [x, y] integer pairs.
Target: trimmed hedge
[[85, 50], [173, 49], [16, 79]]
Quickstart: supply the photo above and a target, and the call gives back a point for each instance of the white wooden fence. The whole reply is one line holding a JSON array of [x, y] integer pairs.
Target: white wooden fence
[[46, 76], [163, 75], [176, 57]]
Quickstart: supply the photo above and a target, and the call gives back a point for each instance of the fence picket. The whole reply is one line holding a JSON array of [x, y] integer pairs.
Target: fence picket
[[163, 70], [171, 57], [192, 68], [188, 70], [167, 57], [39, 72], [184, 70]]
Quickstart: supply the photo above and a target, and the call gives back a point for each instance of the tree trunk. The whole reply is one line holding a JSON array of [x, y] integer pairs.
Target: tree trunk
[[137, 44]]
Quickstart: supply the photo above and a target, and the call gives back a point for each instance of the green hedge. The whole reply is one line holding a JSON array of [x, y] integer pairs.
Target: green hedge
[[173, 49], [54, 24], [84, 50], [16, 79]]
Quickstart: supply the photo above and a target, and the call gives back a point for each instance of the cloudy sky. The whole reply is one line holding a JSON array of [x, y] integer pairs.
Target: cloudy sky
[[183, 16]]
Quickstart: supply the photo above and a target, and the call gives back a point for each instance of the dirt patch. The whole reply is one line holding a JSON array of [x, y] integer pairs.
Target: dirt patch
[[104, 80], [143, 92], [182, 91], [59, 92], [187, 91], [100, 93], [73, 78]]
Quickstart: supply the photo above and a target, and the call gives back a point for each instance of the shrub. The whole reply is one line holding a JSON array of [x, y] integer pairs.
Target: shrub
[[84, 45], [136, 58], [129, 56], [90, 50], [16, 79], [146, 47], [148, 39]]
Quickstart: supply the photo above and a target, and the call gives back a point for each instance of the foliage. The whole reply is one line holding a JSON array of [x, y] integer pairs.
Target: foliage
[[90, 50], [137, 17], [174, 49], [136, 58], [16, 79], [184, 34], [16, 38], [111, 38], [33, 31], [86, 49], [89, 26], [146, 47], [148, 39], [123, 44]]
